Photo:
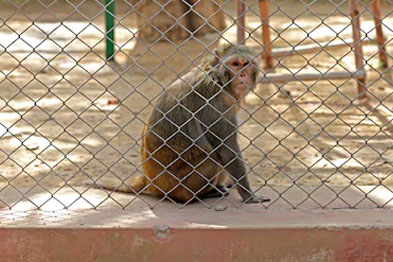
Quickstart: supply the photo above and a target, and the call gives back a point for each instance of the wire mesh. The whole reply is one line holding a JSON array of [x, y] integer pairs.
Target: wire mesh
[[313, 132]]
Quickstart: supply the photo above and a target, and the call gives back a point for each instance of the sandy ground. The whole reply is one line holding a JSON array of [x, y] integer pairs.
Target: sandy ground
[[59, 129]]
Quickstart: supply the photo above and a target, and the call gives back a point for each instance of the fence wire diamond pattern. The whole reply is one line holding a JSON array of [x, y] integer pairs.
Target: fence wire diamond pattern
[[316, 131]]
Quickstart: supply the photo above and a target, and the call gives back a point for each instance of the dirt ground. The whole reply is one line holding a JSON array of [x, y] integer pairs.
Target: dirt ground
[[59, 128]]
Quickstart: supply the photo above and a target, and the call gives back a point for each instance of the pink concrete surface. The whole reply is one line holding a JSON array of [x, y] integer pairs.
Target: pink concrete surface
[[193, 234], [118, 245], [254, 232]]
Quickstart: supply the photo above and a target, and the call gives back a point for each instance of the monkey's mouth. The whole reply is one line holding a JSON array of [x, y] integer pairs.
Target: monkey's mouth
[[246, 86], [245, 82], [243, 89]]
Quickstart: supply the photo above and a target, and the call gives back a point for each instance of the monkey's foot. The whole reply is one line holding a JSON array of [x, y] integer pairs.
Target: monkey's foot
[[257, 199], [219, 192]]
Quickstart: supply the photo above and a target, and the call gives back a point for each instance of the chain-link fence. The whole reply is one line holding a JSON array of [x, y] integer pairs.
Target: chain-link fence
[[155, 99]]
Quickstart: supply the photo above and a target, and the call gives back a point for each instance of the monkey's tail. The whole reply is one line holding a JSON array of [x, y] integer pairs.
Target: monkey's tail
[[138, 183]]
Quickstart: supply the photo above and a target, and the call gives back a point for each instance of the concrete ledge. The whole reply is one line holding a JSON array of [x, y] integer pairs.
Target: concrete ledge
[[256, 232], [313, 244], [246, 234]]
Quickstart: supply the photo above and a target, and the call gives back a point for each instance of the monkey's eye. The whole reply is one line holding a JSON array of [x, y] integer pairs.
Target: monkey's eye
[[235, 63]]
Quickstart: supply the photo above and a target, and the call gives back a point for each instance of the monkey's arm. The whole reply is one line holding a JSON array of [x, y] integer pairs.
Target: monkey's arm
[[230, 157], [198, 135]]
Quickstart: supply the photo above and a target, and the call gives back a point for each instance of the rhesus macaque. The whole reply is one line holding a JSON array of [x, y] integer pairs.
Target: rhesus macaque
[[189, 145]]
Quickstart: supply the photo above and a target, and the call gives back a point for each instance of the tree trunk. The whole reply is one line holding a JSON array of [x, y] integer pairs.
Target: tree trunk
[[178, 19]]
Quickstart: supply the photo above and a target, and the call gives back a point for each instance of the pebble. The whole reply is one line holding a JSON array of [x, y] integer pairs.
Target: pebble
[[221, 207]]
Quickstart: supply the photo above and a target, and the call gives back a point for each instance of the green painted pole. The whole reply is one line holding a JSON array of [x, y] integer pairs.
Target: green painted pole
[[110, 31]]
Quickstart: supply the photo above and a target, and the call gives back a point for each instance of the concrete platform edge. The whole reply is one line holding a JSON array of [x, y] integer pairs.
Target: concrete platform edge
[[161, 243]]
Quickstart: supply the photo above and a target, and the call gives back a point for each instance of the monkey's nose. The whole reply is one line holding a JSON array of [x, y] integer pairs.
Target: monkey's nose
[[243, 61]]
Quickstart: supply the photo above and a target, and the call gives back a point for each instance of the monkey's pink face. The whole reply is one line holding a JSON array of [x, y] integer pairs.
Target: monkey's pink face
[[243, 72]]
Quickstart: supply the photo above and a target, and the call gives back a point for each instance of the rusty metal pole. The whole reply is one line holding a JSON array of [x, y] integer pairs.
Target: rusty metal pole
[[267, 53], [380, 39], [241, 22], [357, 47]]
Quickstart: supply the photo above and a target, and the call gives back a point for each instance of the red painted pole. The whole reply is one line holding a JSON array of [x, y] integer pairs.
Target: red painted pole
[[241, 22], [357, 46], [380, 39], [267, 53]]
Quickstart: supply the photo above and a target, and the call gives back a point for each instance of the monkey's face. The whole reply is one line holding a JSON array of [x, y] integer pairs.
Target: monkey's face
[[242, 72]]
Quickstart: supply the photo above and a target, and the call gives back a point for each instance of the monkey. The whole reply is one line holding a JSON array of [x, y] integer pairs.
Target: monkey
[[189, 144]]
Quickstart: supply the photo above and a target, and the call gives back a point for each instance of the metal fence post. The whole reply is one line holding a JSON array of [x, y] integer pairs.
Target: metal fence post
[[110, 32]]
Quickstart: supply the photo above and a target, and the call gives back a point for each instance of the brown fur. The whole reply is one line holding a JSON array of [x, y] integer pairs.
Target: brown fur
[[163, 182]]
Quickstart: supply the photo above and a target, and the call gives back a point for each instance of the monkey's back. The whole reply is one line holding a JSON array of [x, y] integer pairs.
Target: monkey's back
[[176, 165]]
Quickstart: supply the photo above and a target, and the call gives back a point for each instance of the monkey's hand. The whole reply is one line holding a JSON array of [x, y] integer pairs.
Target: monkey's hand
[[257, 199]]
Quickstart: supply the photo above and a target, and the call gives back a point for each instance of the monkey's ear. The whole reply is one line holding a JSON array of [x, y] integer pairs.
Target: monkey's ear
[[220, 52], [216, 58]]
